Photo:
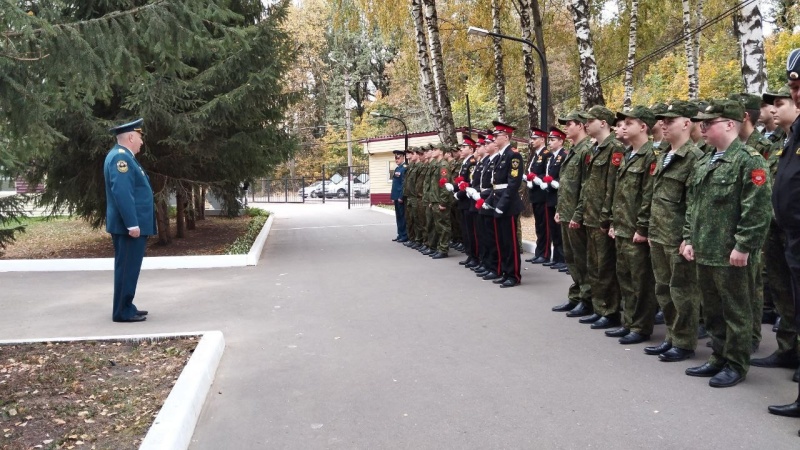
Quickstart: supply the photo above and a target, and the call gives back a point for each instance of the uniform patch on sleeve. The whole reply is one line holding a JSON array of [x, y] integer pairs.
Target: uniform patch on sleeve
[[514, 172], [759, 177], [616, 159], [652, 168], [515, 164], [122, 166]]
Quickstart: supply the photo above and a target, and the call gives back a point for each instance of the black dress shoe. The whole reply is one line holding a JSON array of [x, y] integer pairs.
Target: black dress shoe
[[605, 322], [415, 246], [590, 319], [564, 307], [440, 255], [676, 354], [618, 332], [777, 360], [491, 276], [633, 338], [402, 240], [658, 349], [481, 273], [580, 310], [796, 376], [564, 270], [471, 265], [395, 239], [539, 260], [141, 312], [727, 377], [511, 282], [423, 248], [790, 410], [706, 370], [478, 268], [660, 318], [548, 264], [429, 252], [701, 332], [558, 266], [133, 319], [500, 280]]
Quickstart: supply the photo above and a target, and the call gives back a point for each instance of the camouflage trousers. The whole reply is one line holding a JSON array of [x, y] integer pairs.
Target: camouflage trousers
[[422, 221], [636, 285], [756, 266], [411, 218], [779, 282], [677, 294], [602, 264], [443, 226], [574, 242], [728, 313]]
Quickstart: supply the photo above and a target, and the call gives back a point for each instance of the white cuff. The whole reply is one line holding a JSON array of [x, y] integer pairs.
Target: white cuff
[[449, 187], [530, 184], [555, 184]]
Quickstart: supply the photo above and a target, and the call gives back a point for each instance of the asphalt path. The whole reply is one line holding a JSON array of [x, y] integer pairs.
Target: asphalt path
[[341, 338]]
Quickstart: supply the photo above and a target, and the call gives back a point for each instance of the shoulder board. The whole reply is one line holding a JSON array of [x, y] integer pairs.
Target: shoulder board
[[121, 151], [754, 153], [472, 160]]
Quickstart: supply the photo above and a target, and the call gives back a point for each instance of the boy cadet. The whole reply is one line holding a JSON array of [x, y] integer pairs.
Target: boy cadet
[[572, 176], [473, 193], [419, 212], [398, 179], [769, 128], [697, 134], [676, 278], [660, 145], [466, 169], [422, 196], [619, 125], [491, 269], [537, 196], [434, 155], [630, 223], [441, 201], [551, 184], [783, 112], [408, 194], [507, 204], [594, 207], [732, 182]]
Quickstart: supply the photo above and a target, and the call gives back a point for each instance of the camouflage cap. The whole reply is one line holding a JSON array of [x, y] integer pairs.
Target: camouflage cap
[[727, 109], [642, 113], [679, 108], [749, 101], [783, 92], [658, 108], [700, 104], [601, 113], [576, 115], [418, 150]]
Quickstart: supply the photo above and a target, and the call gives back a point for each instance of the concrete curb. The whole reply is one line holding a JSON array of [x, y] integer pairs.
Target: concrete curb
[[149, 262], [527, 246], [174, 425]]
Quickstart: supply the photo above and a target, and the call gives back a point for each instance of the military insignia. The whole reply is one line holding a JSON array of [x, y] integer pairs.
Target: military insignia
[[759, 177], [588, 159], [122, 166], [794, 75], [539, 159], [444, 172], [797, 152], [514, 173], [709, 109], [515, 164], [397, 174], [652, 168], [121, 151], [558, 159], [472, 160], [779, 152], [616, 159]]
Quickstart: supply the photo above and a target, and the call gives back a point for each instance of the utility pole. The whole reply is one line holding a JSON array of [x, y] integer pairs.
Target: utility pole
[[347, 118]]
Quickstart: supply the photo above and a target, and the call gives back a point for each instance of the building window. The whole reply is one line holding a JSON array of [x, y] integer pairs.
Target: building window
[[390, 166]]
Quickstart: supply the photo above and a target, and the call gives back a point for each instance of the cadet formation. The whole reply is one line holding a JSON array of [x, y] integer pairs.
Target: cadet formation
[[682, 213]]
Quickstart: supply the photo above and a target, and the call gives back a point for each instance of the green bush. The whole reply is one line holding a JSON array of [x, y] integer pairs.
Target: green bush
[[255, 212], [242, 245]]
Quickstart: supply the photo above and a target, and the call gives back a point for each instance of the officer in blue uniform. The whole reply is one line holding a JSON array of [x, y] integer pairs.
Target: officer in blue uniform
[[130, 217], [398, 178]]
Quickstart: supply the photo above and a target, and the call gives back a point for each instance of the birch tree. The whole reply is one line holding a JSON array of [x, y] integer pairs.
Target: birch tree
[[424, 61], [634, 18], [747, 25], [537, 29], [590, 89], [689, 48], [531, 102], [499, 76], [447, 129]]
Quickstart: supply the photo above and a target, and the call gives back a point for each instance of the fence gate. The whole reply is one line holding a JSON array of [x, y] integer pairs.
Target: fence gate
[[287, 190]]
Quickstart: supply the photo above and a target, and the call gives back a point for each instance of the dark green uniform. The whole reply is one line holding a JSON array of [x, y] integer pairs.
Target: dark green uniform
[[631, 214], [677, 292], [729, 203], [440, 196], [408, 194]]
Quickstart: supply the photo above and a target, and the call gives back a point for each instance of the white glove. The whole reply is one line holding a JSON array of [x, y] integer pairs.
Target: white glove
[[538, 181], [543, 186], [530, 184], [486, 206], [449, 187], [455, 195], [470, 192], [476, 195], [555, 184], [498, 211]]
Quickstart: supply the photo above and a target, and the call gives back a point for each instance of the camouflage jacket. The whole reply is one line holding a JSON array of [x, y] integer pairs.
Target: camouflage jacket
[[777, 136], [408, 186], [632, 194], [670, 187], [572, 176], [597, 193], [662, 147], [728, 205], [761, 144], [426, 181]]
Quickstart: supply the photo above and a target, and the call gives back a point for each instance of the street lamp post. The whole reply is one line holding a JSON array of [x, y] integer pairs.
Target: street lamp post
[[405, 128], [545, 78]]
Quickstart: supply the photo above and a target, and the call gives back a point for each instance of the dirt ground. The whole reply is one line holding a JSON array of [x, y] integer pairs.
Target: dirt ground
[[86, 395], [73, 238]]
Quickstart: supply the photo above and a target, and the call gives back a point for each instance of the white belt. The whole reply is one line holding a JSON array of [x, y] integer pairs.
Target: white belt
[[500, 186], [486, 189]]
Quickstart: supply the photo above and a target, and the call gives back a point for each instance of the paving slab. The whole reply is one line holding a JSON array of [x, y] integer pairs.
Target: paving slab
[[341, 338]]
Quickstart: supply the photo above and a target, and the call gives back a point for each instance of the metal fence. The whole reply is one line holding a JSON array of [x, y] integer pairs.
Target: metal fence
[[331, 184]]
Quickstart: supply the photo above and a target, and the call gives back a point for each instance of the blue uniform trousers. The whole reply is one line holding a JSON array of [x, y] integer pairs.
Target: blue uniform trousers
[[128, 255], [400, 217]]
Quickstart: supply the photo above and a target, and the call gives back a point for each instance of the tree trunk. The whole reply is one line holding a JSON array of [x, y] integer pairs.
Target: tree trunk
[[423, 59], [531, 102], [447, 132], [180, 212], [700, 20], [200, 203], [162, 208], [191, 210], [538, 31], [747, 24], [689, 49], [499, 76], [590, 88], [628, 100]]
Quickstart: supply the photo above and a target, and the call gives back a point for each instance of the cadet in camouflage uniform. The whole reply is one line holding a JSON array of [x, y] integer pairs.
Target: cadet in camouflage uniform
[[422, 207], [434, 154], [697, 134], [660, 145], [726, 223], [630, 222], [408, 194], [676, 291], [441, 202], [594, 210], [777, 270], [572, 176]]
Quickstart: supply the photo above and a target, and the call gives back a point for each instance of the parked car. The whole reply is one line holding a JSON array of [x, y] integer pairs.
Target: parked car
[[313, 190], [361, 186]]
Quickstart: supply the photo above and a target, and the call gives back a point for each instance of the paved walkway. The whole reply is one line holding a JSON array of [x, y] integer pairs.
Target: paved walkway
[[341, 338]]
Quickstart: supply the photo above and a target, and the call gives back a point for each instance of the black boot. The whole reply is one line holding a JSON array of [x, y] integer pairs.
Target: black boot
[[790, 410]]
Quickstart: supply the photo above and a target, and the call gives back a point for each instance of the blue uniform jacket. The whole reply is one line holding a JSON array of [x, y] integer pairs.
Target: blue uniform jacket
[[129, 197], [398, 178]]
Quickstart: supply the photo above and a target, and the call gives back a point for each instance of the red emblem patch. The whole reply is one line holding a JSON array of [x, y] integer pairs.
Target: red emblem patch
[[444, 172], [652, 168], [616, 159], [759, 177], [588, 159]]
